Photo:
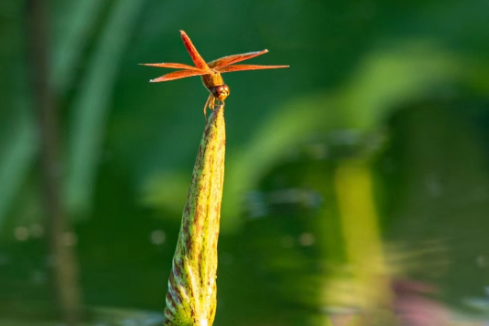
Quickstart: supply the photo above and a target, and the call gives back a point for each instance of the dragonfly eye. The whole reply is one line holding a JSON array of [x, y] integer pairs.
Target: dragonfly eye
[[221, 92]]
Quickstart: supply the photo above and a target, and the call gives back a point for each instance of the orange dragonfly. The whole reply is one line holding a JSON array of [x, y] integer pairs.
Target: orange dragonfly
[[210, 72]]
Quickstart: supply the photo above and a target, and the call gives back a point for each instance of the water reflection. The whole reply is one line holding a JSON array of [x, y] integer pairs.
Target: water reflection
[[104, 317], [347, 240], [336, 247]]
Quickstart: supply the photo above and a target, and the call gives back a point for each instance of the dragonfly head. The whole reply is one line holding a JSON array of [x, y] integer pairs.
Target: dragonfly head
[[220, 92]]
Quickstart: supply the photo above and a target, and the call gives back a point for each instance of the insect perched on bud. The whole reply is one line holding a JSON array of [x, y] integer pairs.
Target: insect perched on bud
[[210, 72]]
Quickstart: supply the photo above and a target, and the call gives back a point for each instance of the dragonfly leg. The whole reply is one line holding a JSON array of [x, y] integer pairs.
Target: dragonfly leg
[[209, 103]]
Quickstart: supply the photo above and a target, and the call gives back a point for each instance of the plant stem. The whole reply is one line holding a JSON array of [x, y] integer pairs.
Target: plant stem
[[65, 266]]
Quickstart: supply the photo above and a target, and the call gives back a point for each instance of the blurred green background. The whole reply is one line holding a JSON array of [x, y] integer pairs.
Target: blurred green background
[[357, 180]]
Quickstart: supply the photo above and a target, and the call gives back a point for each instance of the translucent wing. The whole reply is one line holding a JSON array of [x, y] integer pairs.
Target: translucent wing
[[194, 54], [170, 65], [230, 59], [178, 75], [248, 67]]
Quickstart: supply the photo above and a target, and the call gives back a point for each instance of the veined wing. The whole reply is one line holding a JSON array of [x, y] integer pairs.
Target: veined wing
[[235, 58], [248, 67], [178, 75], [170, 65], [194, 54]]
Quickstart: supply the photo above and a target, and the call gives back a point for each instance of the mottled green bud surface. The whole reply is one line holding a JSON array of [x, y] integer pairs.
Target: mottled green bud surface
[[191, 298]]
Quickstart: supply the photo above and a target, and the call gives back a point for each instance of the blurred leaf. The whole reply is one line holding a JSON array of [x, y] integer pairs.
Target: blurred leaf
[[268, 144], [18, 155], [75, 20], [388, 78], [16, 160], [383, 81], [164, 192], [92, 104], [18, 139]]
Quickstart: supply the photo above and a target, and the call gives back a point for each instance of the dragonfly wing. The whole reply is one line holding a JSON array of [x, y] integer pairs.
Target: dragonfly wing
[[170, 65], [178, 75], [235, 58], [248, 67], [194, 54]]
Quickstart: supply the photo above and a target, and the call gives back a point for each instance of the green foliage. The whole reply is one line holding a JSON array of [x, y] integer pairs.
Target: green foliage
[[91, 105], [402, 86]]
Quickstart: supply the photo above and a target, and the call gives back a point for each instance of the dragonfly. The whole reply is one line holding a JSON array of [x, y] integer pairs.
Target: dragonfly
[[210, 72]]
